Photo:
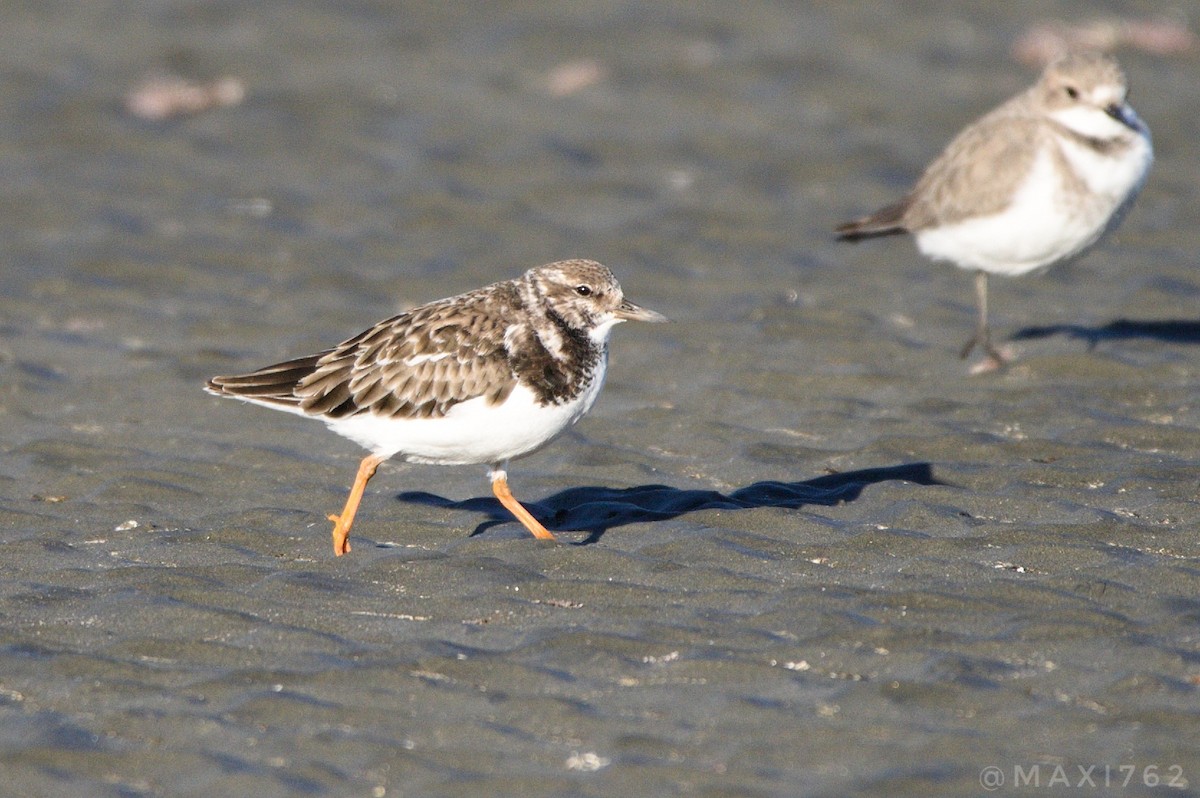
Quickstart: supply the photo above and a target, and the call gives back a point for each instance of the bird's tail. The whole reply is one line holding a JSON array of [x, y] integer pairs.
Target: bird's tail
[[887, 221], [274, 385]]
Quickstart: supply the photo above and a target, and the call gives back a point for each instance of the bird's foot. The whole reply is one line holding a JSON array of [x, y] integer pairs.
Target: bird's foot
[[341, 535]]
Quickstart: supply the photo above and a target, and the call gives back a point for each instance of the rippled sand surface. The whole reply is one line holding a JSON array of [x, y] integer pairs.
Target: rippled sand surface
[[803, 552]]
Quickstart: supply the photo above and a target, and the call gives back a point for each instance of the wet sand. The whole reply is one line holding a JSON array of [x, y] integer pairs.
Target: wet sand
[[803, 552]]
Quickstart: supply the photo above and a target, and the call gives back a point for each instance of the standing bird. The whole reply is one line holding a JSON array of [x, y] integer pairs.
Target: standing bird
[[481, 377], [1034, 182]]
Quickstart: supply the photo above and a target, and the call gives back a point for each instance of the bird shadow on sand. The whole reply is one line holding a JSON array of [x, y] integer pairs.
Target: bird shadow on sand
[[597, 509], [1176, 331]]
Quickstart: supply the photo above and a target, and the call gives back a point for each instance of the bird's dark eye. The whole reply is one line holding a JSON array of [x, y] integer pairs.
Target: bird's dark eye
[[1073, 92], [583, 290]]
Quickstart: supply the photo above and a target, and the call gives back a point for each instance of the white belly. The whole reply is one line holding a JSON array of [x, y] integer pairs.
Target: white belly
[[1049, 219], [471, 432]]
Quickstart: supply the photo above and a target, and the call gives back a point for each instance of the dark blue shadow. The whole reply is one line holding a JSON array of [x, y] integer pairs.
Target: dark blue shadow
[[598, 509], [1175, 331]]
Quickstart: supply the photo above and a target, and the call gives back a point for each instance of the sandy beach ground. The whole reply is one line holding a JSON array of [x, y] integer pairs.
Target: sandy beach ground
[[803, 552]]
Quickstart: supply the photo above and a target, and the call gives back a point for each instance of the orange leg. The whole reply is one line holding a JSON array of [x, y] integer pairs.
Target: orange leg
[[342, 523], [500, 488]]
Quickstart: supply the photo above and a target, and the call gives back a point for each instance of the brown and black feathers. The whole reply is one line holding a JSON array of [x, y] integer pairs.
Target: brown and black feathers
[[419, 364]]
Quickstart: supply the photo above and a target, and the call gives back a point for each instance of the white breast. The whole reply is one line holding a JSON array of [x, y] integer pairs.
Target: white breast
[[472, 431], [1113, 177]]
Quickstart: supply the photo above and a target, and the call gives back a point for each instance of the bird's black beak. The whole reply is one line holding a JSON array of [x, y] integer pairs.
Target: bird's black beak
[[1125, 115]]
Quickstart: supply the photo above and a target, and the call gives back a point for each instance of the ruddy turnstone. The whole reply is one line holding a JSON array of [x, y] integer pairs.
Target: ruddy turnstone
[[482, 377], [1034, 182]]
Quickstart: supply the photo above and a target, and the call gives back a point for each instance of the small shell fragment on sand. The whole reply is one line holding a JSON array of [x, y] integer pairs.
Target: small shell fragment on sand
[[573, 76], [165, 96], [1048, 40]]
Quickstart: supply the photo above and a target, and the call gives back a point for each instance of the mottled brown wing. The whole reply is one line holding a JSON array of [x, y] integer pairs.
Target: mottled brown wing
[[418, 364]]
